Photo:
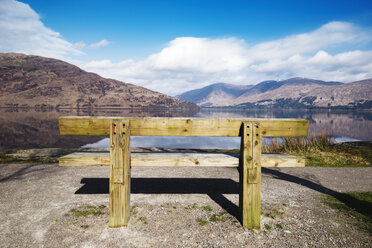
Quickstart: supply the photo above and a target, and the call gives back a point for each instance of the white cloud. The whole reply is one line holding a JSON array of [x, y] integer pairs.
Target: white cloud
[[187, 62], [80, 45], [201, 54], [102, 43], [22, 31], [328, 35]]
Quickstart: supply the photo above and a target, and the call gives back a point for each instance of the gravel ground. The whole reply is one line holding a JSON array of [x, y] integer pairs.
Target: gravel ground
[[175, 207]]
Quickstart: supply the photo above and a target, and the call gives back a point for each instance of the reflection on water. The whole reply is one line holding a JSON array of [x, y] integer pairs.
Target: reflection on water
[[30, 128], [339, 123], [23, 129]]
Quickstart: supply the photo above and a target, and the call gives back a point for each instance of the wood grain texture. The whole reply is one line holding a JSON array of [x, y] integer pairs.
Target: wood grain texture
[[250, 176], [119, 173], [179, 159], [86, 125]]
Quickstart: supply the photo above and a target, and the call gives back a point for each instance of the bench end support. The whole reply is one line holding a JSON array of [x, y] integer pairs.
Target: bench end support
[[250, 175], [119, 173]]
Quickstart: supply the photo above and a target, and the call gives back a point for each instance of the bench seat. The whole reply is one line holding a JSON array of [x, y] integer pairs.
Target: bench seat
[[203, 159]]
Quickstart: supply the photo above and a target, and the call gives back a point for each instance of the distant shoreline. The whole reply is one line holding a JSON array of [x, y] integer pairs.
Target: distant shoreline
[[52, 108], [285, 107], [44, 108]]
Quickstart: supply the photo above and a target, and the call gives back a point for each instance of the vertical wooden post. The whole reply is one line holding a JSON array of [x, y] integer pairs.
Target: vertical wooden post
[[250, 175], [119, 173]]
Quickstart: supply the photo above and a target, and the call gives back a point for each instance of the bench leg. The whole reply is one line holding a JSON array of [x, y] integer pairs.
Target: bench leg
[[250, 175], [119, 173]]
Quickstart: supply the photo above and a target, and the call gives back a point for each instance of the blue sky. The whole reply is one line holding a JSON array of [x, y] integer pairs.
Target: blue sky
[[173, 46]]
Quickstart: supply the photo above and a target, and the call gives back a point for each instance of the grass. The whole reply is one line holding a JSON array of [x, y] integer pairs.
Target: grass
[[133, 210], [201, 221], [143, 219], [357, 205], [214, 218], [320, 151], [207, 208], [218, 217], [267, 227], [91, 210], [273, 213], [280, 226], [192, 207]]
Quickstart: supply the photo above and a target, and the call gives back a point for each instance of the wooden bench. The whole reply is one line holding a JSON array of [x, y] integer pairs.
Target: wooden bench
[[120, 159]]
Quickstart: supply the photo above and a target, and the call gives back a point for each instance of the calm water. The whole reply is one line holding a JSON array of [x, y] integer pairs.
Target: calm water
[[23, 129]]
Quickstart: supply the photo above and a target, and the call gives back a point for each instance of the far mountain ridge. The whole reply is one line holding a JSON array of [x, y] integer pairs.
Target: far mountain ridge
[[227, 91], [293, 92]]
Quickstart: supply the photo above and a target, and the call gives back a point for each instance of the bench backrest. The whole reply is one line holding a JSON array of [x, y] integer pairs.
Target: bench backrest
[[88, 125]]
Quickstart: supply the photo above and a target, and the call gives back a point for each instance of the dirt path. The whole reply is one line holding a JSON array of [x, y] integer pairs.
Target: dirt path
[[175, 207]]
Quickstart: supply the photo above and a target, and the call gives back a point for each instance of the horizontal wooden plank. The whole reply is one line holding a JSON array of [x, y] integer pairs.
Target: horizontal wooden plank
[[86, 125], [179, 159]]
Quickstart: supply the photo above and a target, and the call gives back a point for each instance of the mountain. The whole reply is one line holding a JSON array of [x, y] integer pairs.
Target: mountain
[[272, 85], [299, 92], [37, 82], [212, 94]]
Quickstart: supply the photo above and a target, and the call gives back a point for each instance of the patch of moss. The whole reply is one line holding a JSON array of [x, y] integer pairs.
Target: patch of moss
[[267, 227], [83, 213], [273, 213], [218, 217], [201, 221], [207, 208], [143, 219], [214, 218], [133, 210], [192, 207], [222, 213]]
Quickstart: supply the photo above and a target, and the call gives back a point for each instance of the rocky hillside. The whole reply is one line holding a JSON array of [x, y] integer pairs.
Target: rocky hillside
[[38, 82], [297, 92]]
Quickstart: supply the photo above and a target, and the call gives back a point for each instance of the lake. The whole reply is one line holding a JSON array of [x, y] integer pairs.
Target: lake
[[29, 128]]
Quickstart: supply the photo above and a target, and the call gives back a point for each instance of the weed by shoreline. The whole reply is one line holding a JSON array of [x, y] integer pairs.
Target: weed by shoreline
[[320, 151]]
